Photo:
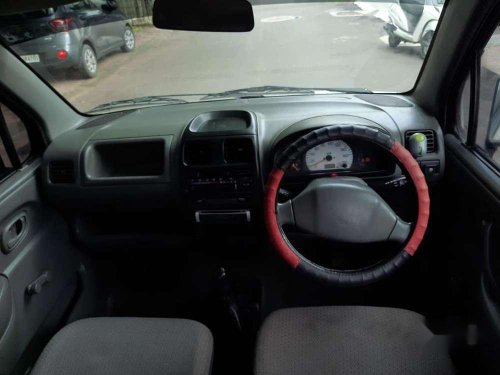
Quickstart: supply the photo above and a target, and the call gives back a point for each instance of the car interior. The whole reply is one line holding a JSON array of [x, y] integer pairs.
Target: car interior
[[351, 232]]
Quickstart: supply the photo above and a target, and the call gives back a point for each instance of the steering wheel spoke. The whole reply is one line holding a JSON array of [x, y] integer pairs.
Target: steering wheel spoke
[[401, 231], [285, 213]]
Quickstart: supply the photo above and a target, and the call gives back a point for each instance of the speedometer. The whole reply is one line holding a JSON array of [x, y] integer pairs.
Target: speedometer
[[329, 155]]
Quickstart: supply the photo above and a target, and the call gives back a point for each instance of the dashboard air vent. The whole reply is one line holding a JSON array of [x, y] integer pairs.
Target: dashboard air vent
[[62, 172], [201, 152], [431, 139], [238, 150]]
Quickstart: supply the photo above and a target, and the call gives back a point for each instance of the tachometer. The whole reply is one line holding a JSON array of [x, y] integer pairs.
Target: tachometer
[[329, 155]]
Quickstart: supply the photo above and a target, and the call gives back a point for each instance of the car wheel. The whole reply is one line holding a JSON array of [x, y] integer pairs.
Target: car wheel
[[88, 62], [425, 44], [128, 40], [394, 41]]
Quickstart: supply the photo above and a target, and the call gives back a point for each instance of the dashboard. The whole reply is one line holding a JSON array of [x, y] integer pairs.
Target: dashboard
[[208, 162]]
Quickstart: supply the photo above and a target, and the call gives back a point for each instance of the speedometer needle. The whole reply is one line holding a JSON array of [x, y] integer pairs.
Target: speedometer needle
[[322, 160]]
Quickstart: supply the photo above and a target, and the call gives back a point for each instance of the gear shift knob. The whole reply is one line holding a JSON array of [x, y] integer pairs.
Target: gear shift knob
[[418, 145]]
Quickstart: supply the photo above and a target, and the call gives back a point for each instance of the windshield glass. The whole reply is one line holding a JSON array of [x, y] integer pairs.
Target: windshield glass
[[105, 55]]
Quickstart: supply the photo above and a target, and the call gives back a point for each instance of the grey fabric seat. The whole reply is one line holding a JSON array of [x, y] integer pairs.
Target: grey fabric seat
[[349, 340], [128, 346]]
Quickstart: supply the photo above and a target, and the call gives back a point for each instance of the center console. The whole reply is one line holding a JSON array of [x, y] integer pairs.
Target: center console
[[220, 167]]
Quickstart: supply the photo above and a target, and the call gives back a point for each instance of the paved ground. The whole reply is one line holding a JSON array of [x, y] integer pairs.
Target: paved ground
[[311, 45], [302, 44], [329, 45]]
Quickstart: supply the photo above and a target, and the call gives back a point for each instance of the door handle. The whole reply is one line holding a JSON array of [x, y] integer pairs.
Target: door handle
[[14, 232]]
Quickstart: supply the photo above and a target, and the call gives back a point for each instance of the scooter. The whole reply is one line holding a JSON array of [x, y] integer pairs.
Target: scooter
[[413, 21]]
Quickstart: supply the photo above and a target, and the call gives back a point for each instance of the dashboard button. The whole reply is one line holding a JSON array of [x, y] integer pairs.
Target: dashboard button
[[430, 167]]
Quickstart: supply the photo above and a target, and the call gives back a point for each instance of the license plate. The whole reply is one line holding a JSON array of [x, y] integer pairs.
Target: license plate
[[31, 58]]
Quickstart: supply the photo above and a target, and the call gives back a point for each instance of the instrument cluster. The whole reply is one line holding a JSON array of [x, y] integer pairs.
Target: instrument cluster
[[343, 157]]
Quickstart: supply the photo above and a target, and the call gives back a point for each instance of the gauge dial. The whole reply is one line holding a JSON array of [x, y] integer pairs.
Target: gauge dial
[[331, 155]]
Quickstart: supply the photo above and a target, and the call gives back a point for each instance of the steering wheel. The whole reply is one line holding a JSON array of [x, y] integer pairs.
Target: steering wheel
[[344, 209]]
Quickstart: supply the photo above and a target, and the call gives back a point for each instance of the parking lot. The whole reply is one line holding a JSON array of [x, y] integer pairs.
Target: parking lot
[[327, 45], [330, 45]]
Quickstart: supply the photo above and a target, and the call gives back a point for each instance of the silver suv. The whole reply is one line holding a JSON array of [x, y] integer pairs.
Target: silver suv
[[69, 36]]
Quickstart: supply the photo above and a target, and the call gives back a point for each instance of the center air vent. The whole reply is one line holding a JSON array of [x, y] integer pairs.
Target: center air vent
[[238, 150], [62, 172], [205, 152], [431, 139]]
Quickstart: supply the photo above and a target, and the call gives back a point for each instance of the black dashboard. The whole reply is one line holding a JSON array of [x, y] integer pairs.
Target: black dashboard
[[209, 161]]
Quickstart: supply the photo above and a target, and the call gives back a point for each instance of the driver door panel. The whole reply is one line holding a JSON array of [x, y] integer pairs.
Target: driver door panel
[[38, 267]]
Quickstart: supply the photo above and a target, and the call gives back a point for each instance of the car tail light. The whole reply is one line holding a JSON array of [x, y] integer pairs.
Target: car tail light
[[61, 24], [62, 54]]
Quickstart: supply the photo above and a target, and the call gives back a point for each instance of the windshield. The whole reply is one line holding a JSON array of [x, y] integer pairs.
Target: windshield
[[105, 55]]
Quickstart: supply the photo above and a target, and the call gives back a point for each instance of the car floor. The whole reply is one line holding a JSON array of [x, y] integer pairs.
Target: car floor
[[232, 283]]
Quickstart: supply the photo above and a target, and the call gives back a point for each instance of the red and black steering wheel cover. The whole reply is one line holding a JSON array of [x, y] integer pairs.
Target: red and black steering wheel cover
[[335, 277]]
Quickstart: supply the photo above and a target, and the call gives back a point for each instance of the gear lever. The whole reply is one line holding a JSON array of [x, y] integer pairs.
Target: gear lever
[[229, 298]]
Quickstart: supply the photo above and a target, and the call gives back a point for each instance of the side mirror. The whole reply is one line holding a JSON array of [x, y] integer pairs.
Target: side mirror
[[204, 15], [110, 6], [493, 135]]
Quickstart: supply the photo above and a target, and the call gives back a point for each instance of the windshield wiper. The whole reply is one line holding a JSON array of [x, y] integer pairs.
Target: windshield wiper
[[263, 91], [246, 93], [142, 101]]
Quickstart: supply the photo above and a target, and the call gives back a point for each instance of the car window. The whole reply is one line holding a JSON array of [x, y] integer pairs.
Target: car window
[[488, 123], [18, 133], [99, 3], [79, 6], [463, 115], [4, 159], [16, 18], [15, 145], [296, 48]]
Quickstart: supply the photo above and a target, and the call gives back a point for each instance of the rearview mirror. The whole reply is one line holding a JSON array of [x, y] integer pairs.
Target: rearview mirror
[[203, 15], [493, 135]]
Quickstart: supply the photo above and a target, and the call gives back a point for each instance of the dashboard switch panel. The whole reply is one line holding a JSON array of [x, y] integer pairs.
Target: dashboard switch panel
[[220, 180], [220, 168]]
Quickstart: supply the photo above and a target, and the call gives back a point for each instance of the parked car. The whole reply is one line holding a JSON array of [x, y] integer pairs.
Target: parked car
[[69, 36]]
